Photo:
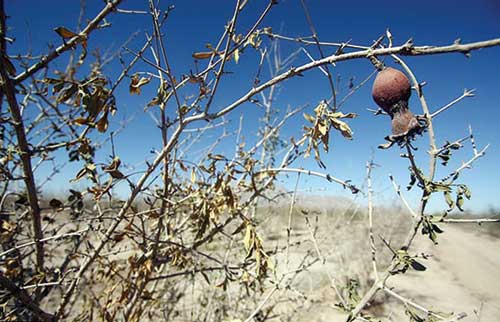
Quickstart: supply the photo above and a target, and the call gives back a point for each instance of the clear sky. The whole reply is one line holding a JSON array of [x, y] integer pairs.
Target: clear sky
[[193, 24]]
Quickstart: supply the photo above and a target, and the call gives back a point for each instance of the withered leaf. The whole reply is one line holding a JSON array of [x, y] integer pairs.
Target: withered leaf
[[309, 117], [136, 83], [65, 33], [206, 54], [66, 93], [112, 169], [102, 124], [236, 56], [342, 127], [49, 80], [116, 174], [56, 204], [80, 175], [80, 121]]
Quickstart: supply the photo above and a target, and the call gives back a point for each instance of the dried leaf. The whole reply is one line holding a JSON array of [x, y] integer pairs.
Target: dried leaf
[[460, 202], [449, 199], [112, 169], [136, 84], [66, 93], [384, 146], [193, 176], [206, 54], [49, 80], [56, 204], [309, 117], [65, 33], [102, 124], [80, 175], [342, 127], [236, 56], [80, 121], [249, 239], [254, 40]]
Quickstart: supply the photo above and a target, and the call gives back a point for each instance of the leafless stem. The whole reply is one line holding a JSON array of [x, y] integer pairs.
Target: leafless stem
[[261, 304], [397, 188], [289, 226], [369, 167], [467, 93], [46, 239], [24, 298], [328, 177], [411, 303], [477, 221], [400, 50], [8, 89], [231, 28], [316, 39], [467, 164], [92, 25]]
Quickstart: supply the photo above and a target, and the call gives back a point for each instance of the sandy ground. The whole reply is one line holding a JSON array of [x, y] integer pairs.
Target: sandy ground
[[463, 275]]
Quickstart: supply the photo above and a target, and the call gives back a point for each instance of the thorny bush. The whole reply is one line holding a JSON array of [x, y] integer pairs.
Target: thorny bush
[[184, 224]]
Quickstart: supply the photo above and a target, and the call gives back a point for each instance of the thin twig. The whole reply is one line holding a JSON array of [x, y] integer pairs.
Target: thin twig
[[401, 50], [397, 188], [467, 164], [289, 226], [467, 93], [411, 303], [23, 297], [328, 177], [318, 45], [9, 90], [92, 25], [369, 167], [43, 240], [220, 72], [261, 304], [470, 220]]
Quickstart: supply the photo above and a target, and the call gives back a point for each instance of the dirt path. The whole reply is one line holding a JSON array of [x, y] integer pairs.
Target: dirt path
[[462, 275]]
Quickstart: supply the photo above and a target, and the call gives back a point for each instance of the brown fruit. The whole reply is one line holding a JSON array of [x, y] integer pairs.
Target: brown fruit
[[403, 122], [391, 90]]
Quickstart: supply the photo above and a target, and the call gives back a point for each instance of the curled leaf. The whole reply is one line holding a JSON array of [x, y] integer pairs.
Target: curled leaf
[[102, 124], [342, 127], [449, 199], [206, 54], [136, 84], [65, 33]]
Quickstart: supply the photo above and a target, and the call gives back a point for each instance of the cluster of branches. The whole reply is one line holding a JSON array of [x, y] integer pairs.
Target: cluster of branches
[[182, 218]]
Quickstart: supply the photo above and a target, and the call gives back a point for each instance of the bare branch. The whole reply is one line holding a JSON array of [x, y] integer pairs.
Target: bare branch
[[467, 93], [92, 25], [24, 298], [328, 177]]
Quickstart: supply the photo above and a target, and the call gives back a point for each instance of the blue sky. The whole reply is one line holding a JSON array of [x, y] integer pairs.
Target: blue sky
[[193, 24]]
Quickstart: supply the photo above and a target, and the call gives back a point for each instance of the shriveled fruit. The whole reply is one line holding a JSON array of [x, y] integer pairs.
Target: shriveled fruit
[[391, 91]]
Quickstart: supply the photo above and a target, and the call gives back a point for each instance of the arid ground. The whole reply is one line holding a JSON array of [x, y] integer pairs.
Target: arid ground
[[461, 276]]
